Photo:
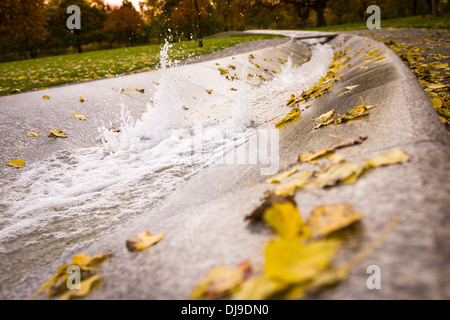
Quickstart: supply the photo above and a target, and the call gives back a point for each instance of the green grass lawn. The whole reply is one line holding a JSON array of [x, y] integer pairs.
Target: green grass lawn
[[429, 22], [18, 76]]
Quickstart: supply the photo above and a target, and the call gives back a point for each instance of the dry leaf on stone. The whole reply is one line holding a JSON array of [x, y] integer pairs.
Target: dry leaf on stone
[[30, 133], [324, 119], [143, 240], [259, 288], [392, 157], [281, 176], [300, 181], [85, 287], [220, 281], [269, 200], [293, 262], [326, 219], [294, 114], [57, 134], [16, 163], [78, 116]]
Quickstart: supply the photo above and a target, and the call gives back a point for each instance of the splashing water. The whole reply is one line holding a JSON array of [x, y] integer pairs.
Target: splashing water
[[61, 205]]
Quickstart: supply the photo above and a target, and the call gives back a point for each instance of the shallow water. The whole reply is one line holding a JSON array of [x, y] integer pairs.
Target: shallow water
[[71, 199]]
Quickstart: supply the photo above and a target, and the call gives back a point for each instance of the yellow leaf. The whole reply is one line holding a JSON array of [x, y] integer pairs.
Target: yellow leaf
[[324, 119], [284, 218], [85, 287], [258, 288], [30, 133], [281, 176], [140, 90], [298, 182], [219, 282], [391, 157], [45, 97], [57, 134], [294, 114], [293, 262], [82, 99], [16, 163], [380, 58], [336, 173], [209, 91], [437, 103], [86, 262], [79, 116], [143, 240], [323, 220]]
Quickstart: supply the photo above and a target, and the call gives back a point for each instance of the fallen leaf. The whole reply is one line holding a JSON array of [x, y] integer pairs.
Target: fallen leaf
[[293, 262], [78, 116], [284, 218], [281, 176], [140, 90], [209, 91], [45, 97], [336, 173], [309, 157], [294, 114], [16, 163], [220, 281], [298, 182], [57, 134], [324, 119], [30, 133], [85, 287], [324, 220], [143, 240], [82, 99], [392, 157], [258, 288]]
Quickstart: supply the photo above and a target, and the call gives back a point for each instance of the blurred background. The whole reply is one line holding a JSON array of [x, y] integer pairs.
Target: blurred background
[[37, 28]]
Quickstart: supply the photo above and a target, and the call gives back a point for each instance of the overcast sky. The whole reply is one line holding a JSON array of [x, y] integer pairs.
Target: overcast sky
[[119, 2]]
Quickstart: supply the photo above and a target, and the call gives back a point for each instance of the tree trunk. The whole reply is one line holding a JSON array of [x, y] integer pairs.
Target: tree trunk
[[78, 41], [320, 12], [414, 8], [199, 29], [434, 4], [303, 13]]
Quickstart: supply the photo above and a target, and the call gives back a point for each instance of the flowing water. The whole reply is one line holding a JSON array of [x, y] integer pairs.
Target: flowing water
[[68, 201]]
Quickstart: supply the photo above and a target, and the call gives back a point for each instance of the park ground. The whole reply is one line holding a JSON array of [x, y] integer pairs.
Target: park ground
[[423, 43]]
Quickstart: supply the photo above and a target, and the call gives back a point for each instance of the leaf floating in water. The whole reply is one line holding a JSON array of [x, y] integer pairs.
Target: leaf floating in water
[[82, 99], [45, 97], [185, 108], [123, 91], [324, 220], [156, 82], [220, 281], [143, 240], [78, 116], [234, 89], [57, 134], [223, 71], [209, 91], [16, 163], [114, 129], [30, 133], [140, 90]]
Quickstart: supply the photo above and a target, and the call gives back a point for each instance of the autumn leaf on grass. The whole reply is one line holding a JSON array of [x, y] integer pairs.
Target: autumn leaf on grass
[[293, 262], [57, 134], [281, 176], [16, 163], [143, 240], [323, 220], [220, 281], [392, 157], [85, 287], [78, 116], [294, 114], [30, 133], [310, 157]]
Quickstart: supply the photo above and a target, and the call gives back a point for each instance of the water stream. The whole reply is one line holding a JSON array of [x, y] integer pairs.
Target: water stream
[[72, 198]]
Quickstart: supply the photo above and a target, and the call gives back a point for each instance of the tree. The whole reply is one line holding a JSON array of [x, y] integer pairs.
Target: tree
[[317, 5], [22, 25], [189, 16], [125, 23]]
